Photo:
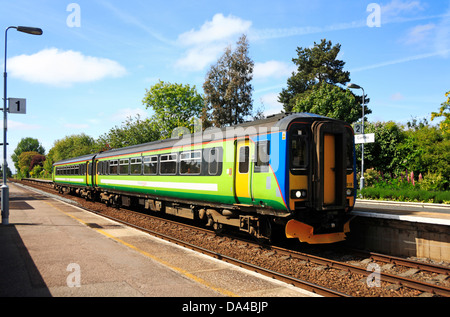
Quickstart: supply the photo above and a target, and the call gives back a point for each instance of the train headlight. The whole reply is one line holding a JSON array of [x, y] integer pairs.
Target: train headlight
[[349, 192], [298, 193]]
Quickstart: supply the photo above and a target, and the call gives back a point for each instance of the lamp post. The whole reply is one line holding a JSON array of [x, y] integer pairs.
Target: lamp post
[[4, 188], [354, 86]]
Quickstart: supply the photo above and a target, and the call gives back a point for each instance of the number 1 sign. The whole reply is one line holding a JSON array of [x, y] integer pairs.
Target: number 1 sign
[[17, 105]]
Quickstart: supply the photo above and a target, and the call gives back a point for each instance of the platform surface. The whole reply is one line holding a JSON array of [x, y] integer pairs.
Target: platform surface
[[51, 248], [438, 214]]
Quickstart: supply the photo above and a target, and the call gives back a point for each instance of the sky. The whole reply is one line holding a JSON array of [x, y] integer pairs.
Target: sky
[[90, 69]]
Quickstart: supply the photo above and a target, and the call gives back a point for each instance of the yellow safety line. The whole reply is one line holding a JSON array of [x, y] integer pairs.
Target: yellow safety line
[[161, 261]]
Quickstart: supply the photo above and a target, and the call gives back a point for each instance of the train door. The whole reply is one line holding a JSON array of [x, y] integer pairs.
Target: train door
[[243, 175], [330, 168], [88, 173]]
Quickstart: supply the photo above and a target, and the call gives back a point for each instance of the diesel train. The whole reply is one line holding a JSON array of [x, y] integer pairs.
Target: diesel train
[[294, 172]]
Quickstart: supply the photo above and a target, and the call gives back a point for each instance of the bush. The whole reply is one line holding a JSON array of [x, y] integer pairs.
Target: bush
[[437, 197], [435, 182], [406, 187]]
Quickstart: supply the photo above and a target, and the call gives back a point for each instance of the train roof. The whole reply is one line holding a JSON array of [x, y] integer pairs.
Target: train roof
[[76, 159], [279, 122]]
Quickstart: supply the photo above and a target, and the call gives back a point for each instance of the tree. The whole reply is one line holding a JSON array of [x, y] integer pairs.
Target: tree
[[228, 92], [174, 105], [26, 145], [330, 101], [384, 155], [130, 133], [444, 112], [425, 149], [24, 163], [316, 66], [37, 160], [71, 146]]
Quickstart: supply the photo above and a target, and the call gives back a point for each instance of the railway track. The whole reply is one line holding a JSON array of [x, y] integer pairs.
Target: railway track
[[284, 264]]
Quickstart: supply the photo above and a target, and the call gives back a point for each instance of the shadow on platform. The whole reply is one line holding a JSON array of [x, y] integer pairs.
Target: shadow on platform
[[19, 276]]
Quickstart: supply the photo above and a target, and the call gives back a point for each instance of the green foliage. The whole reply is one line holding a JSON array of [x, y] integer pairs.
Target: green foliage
[[430, 188], [425, 149], [174, 105], [26, 145], [130, 133], [71, 146], [330, 101], [384, 154], [228, 92], [433, 182], [442, 197], [37, 172], [314, 86], [444, 111], [421, 148], [24, 163]]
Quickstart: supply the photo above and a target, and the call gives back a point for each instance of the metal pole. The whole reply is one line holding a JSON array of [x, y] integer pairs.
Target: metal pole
[[361, 185], [5, 188]]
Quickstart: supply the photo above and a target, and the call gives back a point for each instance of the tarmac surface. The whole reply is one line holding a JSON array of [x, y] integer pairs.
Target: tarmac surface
[[53, 249]]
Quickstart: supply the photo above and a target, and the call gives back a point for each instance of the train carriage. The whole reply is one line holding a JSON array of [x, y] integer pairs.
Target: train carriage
[[72, 174], [291, 170]]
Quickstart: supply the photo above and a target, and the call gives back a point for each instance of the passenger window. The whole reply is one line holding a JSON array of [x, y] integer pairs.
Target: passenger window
[[191, 163], [213, 161], [244, 159], [136, 166], [124, 166], [299, 150], [113, 167], [168, 164], [150, 165], [262, 157]]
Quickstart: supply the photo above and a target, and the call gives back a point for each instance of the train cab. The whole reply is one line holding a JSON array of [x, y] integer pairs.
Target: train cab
[[321, 179]]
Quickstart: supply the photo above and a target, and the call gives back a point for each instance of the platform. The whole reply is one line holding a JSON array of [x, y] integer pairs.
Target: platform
[[53, 249], [402, 229], [404, 211]]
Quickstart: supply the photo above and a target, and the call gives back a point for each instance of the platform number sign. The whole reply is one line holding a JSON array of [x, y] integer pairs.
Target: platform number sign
[[358, 128], [17, 105]]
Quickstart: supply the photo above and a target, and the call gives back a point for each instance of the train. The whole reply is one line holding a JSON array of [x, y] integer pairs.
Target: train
[[292, 173]]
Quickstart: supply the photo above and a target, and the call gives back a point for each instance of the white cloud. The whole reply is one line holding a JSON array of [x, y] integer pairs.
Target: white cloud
[[274, 69], [402, 60], [197, 58], [397, 7], [20, 126], [271, 104], [419, 33], [219, 29], [397, 97], [205, 45], [125, 113], [62, 68]]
